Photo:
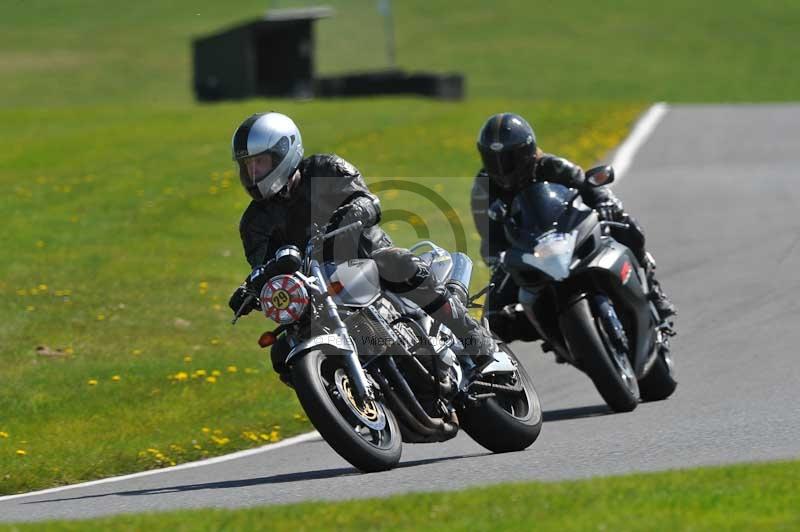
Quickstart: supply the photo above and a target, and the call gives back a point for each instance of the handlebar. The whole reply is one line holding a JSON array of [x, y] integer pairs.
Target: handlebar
[[355, 226], [618, 225]]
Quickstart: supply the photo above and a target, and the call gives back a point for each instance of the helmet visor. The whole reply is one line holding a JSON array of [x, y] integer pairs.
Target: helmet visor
[[505, 167], [258, 172]]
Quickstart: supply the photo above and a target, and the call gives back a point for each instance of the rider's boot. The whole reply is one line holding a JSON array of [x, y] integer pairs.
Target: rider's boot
[[477, 340], [664, 306]]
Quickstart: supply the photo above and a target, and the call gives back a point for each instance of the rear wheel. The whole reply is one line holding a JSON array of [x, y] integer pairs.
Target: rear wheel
[[363, 433], [509, 421], [593, 340]]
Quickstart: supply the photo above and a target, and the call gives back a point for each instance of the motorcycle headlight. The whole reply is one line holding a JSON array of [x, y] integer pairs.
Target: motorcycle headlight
[[284, 299], [553, 254]]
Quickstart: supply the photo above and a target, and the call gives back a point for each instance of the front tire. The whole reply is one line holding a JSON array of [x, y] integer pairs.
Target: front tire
[[366, 435], [506, 423], [607, 366]]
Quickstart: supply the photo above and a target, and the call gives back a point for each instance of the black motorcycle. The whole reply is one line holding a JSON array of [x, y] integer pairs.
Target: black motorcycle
[[585, 293], [372, 370]]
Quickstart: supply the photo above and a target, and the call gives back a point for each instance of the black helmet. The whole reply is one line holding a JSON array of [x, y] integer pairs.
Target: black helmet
[[507, 145]]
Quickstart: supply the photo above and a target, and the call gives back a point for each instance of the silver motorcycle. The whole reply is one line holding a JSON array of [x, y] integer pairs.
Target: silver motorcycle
[[372, 370]]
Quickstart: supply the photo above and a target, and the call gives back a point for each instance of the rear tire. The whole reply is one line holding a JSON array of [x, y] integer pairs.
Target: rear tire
[[506, 423], [616, 384], [659, 383], [314, 376]]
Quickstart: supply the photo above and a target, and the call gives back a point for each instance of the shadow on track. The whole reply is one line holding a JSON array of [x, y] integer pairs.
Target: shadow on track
[[275, 479], [576, 413]]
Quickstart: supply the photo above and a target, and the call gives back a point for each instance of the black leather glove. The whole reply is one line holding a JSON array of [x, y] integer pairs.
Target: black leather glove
[[362, 209], [237, 300], [252, 284], [610, 210]]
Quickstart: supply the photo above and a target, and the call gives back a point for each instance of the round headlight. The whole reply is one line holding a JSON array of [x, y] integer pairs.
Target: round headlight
[[284, 299]]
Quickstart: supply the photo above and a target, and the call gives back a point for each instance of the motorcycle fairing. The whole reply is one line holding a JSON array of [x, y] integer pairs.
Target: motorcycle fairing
[[625, 281]]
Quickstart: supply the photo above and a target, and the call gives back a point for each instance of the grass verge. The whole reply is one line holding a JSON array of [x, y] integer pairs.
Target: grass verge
[[66, 53], [740, 497]]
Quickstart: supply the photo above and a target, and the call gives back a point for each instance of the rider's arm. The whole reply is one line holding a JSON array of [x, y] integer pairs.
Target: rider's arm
[[564, 172], [339, 187], [493, 237], [255, 230]]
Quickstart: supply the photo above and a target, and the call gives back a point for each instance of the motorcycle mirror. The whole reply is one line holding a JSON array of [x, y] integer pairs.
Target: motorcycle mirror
[[497, 211], [600, 175]]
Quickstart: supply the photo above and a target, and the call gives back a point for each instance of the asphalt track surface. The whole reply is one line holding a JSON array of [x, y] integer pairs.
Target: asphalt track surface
[[718, 190]]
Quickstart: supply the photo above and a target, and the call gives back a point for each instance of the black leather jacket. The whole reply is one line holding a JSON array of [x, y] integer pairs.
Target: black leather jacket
[[327, 182], [547, 168]]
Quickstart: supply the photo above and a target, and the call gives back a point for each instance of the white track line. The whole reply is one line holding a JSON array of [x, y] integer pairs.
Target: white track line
[[623, 158], [309, 436]]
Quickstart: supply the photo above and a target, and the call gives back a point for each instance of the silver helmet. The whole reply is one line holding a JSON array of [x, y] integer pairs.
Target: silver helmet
[[268, 149]]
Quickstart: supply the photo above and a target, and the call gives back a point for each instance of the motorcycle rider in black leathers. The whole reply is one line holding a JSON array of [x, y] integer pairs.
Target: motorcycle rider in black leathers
[[512, 160], [292, 194]]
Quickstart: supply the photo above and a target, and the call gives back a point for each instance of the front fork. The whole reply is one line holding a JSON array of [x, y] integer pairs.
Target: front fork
[[356, 373]]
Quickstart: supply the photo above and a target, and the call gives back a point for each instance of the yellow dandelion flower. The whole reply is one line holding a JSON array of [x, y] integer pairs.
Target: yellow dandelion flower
[[116, 378], [216, 373], [213, 190], [21, 452], [22, 292], [232, 369], [211, 380], [181, 376], [3, 434], [200, 373], [215, 341], [203, 285], [274, 436], [69, 350], [101, 317], [187, 358], [220, 440], [206, 430], [198, 447], [34, 291], [216, 306], [92, 382], [264, 437], [30, 308], [136, 352]]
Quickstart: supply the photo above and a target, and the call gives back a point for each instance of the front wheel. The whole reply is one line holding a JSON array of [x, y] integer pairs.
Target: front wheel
[[591, 339], [365, 434], [508, 421]]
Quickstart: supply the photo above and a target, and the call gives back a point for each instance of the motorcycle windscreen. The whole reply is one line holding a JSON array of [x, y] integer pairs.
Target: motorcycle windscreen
[[354, 283], [540, 208]]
